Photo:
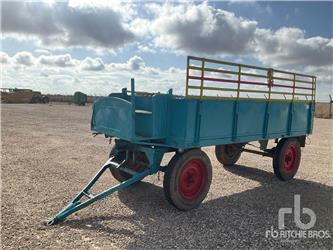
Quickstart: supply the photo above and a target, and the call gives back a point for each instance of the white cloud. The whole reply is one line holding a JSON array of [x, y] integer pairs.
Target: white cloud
[[50, 75], [140, 27], [4, 58], [288, 46], [59, 24], [200, 29], [324, 73], [203, 29], [96, 64], [125, 8], [42, 52], [324, 80], [24, 58], [44, 73], [179, 28], [134, 63], [146, 49], [57, 60], [55, 77]]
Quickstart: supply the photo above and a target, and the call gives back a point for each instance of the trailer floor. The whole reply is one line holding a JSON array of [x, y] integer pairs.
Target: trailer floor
[[48, 154]]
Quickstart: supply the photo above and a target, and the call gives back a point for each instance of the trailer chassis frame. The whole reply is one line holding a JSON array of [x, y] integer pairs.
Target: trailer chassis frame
[[84, 198]]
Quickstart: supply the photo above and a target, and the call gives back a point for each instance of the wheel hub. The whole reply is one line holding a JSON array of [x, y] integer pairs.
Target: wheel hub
[[290, 157], [192, 179]]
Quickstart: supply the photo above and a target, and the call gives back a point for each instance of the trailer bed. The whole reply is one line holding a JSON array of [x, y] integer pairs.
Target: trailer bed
[[280, 105], [185, 123]]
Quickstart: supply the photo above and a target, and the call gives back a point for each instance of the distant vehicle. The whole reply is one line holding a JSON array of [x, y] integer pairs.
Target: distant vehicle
[[80, 98], [9, 95]]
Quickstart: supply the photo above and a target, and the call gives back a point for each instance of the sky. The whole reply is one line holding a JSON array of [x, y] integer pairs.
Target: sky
[[60, 47]]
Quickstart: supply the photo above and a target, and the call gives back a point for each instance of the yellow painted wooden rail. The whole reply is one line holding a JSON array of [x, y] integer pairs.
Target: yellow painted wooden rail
[[272, 83]]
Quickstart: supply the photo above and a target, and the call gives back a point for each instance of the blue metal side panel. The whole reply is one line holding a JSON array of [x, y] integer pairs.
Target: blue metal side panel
[[143, 116], [112, 116], [195, 123], [151, 124], [216, 119], [181, 122], [186, 123], [300, 117], [160, 115], [177, 122], [278, 118], [192, 127], [144, 103], [144, 124], [251, 116], [311, 117]]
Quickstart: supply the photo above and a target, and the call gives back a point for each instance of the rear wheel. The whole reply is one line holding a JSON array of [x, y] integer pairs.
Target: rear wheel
[[121, 156], [187, 179], [228, 154], [286, 159]]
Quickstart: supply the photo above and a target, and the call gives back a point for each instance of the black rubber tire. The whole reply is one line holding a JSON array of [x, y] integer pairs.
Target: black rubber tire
[[118, 174], [34, 99], [171, 182], [280, 157], [37, 99], [45, 100], [228, 154]]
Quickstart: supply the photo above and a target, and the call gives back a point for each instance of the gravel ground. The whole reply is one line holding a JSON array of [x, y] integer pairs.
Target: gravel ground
[[48, 154]]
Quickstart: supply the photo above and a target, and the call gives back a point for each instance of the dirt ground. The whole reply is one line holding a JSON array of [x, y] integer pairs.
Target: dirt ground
[[48, 154]]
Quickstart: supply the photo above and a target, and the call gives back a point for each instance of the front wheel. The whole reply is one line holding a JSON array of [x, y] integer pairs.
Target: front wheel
[[139, 165], [187, 179], [286, 159]]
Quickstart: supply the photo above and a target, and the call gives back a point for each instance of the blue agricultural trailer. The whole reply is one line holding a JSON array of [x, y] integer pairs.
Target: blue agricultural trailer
[[226, 105]]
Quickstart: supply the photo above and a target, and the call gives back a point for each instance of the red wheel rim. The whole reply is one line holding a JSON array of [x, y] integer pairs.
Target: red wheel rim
[[290, 158], [192, 179]]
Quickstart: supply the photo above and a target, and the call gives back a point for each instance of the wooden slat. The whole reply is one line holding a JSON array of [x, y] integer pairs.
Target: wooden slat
[[291, 73], [270, 76], [290, 80], [227, 72], [226, 63], [226, 80], [288, 86], [211, 88]]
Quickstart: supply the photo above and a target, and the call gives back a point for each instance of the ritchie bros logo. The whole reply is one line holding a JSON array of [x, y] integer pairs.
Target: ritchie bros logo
[[304, 232]]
